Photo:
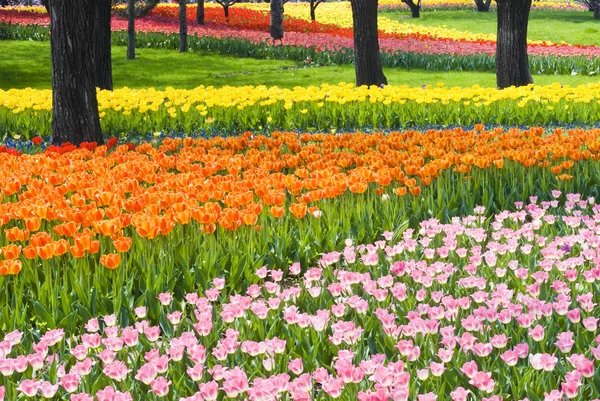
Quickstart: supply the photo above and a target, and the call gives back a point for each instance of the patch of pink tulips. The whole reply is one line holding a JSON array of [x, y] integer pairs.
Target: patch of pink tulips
[[491, 308]]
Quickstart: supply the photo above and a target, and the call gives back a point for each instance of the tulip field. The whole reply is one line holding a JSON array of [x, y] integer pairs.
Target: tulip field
[[326, 242]]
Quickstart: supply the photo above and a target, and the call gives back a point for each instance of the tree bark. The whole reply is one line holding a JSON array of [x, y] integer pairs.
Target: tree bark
[[313, 16], [226, 10], [103, 62], [512, 63], [74, 104], [483, 6], [276, 15], [597, 12], [130, 29], [200, 12], [183, 34], [415, 8], [367, 61]]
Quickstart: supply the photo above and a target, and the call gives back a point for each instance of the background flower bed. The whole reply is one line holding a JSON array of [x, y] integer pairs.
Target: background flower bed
[[246, 35]]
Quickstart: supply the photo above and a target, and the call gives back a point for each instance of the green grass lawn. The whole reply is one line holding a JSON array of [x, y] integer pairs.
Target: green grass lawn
[[27, 64], [575, 27]]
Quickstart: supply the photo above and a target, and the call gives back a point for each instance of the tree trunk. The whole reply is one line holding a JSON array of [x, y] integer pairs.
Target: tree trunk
[[512, 63], [366, 44], [226, 9], [313, 7], [483, 6], [183, 39], [276, 20], [130, 29], [74, 105], [200, 12], [415, 9], [597, 12], [103, 62]]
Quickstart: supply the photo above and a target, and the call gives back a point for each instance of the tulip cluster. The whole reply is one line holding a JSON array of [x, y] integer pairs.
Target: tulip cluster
[[491, 307], [343, 106], [245, 34]]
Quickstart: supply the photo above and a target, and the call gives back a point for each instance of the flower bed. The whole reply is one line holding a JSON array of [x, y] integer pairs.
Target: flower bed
[[94, 229], [343, 106], [496, 307], [246, 35], [394, 5]]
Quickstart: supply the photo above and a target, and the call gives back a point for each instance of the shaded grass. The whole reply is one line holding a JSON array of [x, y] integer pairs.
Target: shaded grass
[[574, 27], [27, 64]]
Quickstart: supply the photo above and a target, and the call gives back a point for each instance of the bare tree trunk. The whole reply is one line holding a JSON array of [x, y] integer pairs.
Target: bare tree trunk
[[74, 105], [200, 12], [512, 63], [276, 15], [313, 16], [597, 12], [226, 9], [183, 39], [130, 29], [103, 62], [483, 5], [367, 61], [415, 8]]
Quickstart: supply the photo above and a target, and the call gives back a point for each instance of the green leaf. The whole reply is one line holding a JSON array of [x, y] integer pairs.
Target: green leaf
[[43, 314]]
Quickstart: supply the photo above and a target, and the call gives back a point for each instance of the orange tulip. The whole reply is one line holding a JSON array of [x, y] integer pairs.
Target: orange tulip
[[414, 191], [46, 252], [76, 252], [30, 252], [276, 211], [10, 267], [11, 251], [16, 234], [110, 261], [33, 224], [94, 247], [401, 191], [249, 218], [122, 244], [60, 247], [298, 210]]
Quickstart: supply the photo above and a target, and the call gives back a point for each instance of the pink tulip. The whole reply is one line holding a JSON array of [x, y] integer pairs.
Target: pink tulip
[[146, 374], [107, 394], [140, 312], [236, 382], [427, 397], [209, 390], [69, 382], [196, 372], [29, 387], [295, 366], [91, 340], [333, 387], [165, 298], [92, 325], [571, 389], [48, 389], [160, 386], [116, 370], [110, 320], [536, 333], [483, 381], [460, 394]]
